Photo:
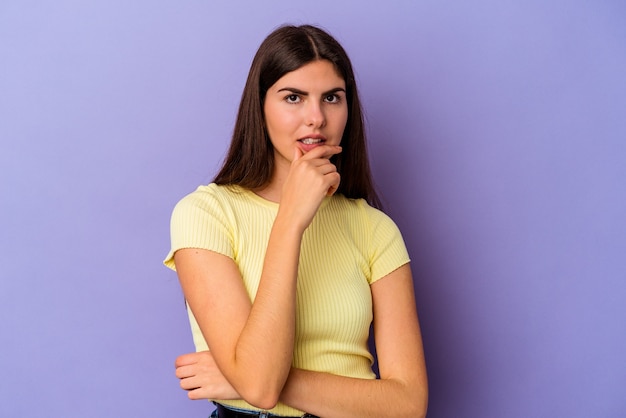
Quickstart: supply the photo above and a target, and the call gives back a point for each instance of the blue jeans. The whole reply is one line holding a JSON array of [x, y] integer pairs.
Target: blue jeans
[[215, 415]]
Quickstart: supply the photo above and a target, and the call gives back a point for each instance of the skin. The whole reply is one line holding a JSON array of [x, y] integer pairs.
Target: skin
[[309, 101]]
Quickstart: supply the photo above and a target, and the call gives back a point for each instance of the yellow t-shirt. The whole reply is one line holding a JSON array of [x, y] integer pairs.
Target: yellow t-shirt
[[348, 246]]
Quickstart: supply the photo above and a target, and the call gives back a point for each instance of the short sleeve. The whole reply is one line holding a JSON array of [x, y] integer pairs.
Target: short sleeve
[[199, 221], [388, 251]]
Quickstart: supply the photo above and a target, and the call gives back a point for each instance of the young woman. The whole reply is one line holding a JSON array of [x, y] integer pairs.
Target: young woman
[[284, 260]]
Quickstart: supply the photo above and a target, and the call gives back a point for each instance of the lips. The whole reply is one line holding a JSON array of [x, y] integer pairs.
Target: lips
[[312, 139], [310, 142]]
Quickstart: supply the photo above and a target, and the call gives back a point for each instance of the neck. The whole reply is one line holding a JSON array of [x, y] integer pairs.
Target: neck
[[273, 190]]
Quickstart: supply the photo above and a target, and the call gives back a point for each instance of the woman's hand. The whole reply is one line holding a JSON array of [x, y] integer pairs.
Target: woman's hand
[[311, 177], [202, 379]]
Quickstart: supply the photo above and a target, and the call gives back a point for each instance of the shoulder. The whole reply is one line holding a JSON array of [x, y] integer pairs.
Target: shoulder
[[208, 203], [208, 196], [209, 192], [202, 219]]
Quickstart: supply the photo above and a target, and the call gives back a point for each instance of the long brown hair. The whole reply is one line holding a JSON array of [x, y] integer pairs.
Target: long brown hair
[[250, 159]]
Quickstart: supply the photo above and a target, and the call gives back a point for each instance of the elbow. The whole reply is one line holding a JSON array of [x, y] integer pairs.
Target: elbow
[[415, 404], [264, 402], [419, 406], [262, 389], [261, 396], [420, 412], [415, 410]]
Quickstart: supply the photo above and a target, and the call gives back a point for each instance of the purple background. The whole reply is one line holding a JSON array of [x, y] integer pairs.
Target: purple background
[[498, 138]]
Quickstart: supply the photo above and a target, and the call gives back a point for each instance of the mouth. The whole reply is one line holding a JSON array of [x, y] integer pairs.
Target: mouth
[[312, 141]]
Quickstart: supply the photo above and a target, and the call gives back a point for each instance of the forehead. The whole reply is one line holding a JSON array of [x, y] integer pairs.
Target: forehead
[[320, 74]]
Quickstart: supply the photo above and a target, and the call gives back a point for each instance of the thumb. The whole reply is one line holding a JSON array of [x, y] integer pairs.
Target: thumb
[[297, 154]]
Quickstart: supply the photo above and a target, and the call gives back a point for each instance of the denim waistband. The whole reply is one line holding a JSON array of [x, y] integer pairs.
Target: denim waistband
[[231, 412]]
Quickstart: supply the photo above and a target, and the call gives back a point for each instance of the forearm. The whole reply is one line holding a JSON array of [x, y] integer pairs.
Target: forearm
[[330, 396], [272, 318]]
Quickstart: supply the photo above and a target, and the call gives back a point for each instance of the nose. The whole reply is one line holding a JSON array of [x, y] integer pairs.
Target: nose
[[315, 116]]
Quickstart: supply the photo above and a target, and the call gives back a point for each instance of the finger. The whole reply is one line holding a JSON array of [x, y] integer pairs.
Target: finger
[[186, 359], [322, 151], [335, 185], [326, 167], [297, 154], [184, 372], [190, 383], [336, 149], [197, 394]]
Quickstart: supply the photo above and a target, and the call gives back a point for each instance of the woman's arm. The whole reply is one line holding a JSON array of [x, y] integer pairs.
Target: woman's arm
[[232, 326], [252, 343], [402, 390]]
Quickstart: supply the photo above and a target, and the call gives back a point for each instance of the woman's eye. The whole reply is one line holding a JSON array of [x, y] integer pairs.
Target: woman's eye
[[292, 98], [332, 98]]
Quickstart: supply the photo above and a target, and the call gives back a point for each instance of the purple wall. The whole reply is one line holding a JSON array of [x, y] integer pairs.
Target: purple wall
[[498, 132]]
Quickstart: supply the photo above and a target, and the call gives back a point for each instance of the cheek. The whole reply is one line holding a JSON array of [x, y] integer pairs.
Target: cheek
[[342, 120], [271, 122], [279, 121]]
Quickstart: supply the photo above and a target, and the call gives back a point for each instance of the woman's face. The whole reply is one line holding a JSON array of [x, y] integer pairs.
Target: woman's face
[[305, 108]]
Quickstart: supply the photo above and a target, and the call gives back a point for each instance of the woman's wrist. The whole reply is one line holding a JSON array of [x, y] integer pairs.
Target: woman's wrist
[[288, 224]]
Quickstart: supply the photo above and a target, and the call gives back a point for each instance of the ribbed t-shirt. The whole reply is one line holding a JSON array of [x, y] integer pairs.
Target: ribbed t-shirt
[[348, 246]]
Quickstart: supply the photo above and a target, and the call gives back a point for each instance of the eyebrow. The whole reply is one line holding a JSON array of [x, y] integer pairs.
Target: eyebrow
[[304, 93]]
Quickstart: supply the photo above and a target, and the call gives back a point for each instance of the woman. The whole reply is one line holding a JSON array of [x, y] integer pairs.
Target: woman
[[283, 260]]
